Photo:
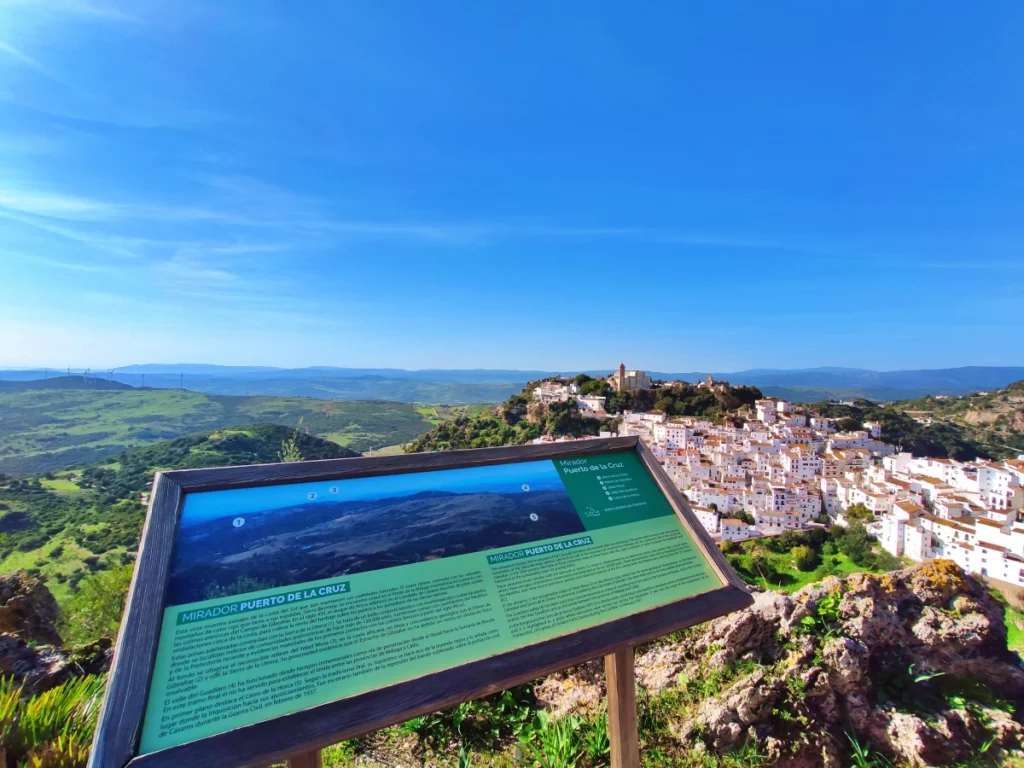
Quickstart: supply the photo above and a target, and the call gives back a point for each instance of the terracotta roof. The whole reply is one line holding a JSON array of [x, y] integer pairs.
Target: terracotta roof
[[946, 523], [995, 547], [986, 521], [908, 506]]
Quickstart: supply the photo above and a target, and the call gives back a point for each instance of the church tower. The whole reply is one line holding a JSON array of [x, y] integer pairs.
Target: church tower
[[622, 378]]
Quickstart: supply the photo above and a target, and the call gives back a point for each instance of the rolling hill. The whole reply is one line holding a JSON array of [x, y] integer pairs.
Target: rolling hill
[[65, 525], [995, 420], [64, 382], [45, 428]]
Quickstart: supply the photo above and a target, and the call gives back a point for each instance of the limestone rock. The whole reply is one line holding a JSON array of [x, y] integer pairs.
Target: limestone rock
[[40, 667], [882, 669], [28, 609]]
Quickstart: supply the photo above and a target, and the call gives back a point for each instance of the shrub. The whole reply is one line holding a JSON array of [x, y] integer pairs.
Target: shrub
[[858, 512], [95, 609], [804, 558]]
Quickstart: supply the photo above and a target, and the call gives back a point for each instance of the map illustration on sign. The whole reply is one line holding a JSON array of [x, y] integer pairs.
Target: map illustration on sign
[[366, 525], [284, 597]]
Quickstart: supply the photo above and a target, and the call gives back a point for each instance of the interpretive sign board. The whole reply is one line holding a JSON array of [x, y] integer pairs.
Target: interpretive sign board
[[285, 607]]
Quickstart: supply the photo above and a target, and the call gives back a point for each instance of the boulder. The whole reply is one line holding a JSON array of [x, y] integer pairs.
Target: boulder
[[40, 667], [28, 609], [31, 650]]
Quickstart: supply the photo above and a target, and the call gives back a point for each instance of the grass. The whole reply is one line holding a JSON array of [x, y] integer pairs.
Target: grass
[[387, 450], [52, 729], [791, 580], [510, 730], [1015, 629], [58, 560], [60, 484]]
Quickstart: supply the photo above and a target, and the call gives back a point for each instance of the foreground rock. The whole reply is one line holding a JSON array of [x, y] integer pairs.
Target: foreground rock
[[28, 609], [911, 664], [31, 651]]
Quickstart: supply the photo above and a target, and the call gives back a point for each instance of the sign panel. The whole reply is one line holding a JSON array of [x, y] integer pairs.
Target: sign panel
[[279, 608], [284, 597]]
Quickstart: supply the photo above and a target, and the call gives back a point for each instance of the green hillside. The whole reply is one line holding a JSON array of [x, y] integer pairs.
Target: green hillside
[[994, 420], [50, 429], [67, 524], [989, 425]]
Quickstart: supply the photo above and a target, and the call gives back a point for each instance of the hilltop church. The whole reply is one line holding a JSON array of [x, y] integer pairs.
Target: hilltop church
[[629, 381]]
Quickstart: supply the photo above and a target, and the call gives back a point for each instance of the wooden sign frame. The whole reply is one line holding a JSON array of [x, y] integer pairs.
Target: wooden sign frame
[[124, 705]]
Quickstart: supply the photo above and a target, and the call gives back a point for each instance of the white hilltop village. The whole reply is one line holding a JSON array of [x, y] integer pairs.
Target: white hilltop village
[[784, 470]]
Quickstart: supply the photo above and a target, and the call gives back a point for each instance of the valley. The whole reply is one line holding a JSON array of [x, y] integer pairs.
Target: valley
[[48, 429]]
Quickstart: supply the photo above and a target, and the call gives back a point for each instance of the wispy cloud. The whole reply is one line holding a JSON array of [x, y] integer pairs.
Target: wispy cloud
[[53, 206], [32, 63], [87, 8], [74, 266], [185, 269], [18, 55]]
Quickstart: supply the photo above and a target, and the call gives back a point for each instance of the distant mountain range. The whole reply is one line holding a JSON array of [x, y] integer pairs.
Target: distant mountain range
[[463, 386]]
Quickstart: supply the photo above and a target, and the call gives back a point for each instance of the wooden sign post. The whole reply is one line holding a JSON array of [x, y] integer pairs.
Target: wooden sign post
[[623, 736], [279, 609]]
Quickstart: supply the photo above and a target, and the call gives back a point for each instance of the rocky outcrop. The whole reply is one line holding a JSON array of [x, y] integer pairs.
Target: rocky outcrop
[[40, 667], [912, 664], [31, 651], [27, 609]]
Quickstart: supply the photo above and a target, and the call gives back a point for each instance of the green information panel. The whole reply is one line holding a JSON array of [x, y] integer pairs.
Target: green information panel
[[285, 597]]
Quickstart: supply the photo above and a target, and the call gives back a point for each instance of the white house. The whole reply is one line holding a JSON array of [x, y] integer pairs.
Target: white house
[[591, 405], [734, 529], [708, 518]]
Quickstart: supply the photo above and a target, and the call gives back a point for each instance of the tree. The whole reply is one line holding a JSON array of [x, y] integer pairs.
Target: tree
[[762, 565], [94, 611], [598, 387], [581, 378], [745, 516], [855, 543], [858, 511], [804, 558]]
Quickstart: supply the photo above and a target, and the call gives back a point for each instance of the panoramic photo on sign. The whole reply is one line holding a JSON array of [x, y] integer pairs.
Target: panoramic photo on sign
[[284, 597]]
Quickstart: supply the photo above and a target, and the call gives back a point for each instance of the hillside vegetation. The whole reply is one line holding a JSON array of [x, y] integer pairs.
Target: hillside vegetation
[[902, 430], [64, 525], [50, 429], [989, 426], [994, 420]]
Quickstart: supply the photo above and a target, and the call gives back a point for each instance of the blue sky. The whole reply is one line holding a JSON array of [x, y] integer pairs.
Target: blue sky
[[683, 186], [504, 478]]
